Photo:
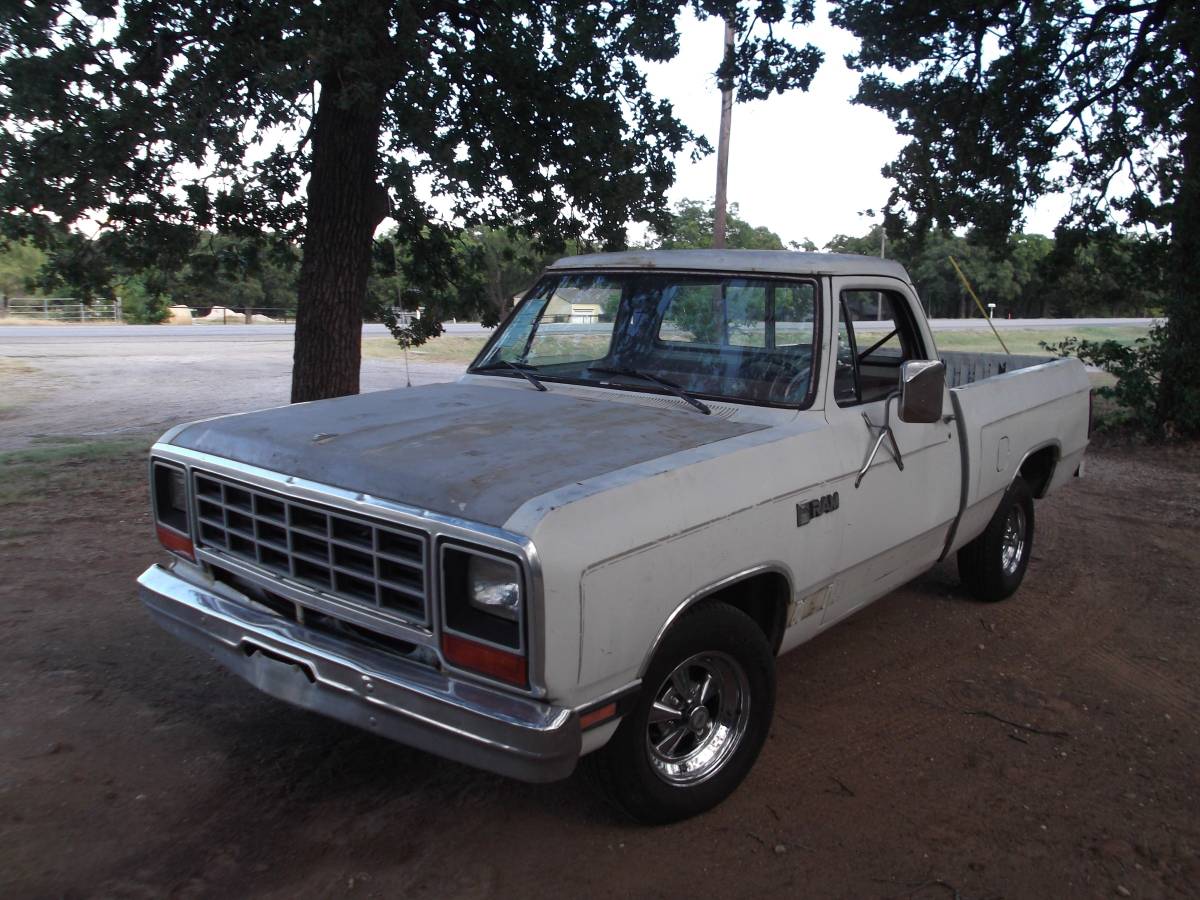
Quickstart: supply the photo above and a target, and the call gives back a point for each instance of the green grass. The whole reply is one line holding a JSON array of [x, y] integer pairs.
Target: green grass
[[1027, 340], [31, 473], [68, 449], [12, 367], [17, 386], [449, 348]]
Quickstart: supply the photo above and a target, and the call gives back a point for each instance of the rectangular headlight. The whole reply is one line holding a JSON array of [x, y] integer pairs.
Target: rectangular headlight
[[494, 586], [168, 492], [483, 613]]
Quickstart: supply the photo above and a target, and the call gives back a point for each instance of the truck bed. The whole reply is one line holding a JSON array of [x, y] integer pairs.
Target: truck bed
[[1009, 408], [966, 368]]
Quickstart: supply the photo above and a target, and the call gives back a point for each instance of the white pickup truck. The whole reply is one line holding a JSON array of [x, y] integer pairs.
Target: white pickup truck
[[664, 469]]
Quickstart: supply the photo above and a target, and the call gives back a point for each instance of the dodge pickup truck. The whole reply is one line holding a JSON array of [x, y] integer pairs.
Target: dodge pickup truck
[[661, 471]]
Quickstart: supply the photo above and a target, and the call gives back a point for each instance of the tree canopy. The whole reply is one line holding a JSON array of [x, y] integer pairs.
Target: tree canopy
[[490, 267], [1005, 102], [21, 265], [313, 121], [690, 227], [219, 270]]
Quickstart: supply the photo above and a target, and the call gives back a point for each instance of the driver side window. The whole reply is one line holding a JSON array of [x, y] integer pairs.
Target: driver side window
[[876, 335]]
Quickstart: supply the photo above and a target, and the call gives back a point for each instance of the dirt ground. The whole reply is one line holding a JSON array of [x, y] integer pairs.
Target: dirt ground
[[931, 747]]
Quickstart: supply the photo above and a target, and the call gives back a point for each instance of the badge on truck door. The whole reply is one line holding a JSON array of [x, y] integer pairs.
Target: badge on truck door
[[810, 509]]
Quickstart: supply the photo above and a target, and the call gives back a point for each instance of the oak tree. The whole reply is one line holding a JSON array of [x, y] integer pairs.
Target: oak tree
[[1010, 100], [313, 121]]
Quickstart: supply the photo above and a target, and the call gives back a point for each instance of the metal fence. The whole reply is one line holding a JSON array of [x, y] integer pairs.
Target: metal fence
[[69, 309], [258, 315], [59, 309]]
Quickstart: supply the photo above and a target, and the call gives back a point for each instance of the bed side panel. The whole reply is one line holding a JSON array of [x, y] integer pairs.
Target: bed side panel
[[1011, 415]]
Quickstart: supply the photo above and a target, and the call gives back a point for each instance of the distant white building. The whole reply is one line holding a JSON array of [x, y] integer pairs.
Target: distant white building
[[575, 305]]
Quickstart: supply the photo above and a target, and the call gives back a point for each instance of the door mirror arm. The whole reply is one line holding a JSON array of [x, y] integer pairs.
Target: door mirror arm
[[919, 400], [885, 433]]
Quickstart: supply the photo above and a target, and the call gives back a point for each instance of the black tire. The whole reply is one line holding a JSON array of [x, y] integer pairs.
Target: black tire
[[712, 642], [992, 566]]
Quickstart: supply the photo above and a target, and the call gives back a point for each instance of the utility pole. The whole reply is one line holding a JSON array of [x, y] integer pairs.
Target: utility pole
[[408, 322], [882, 249], [723, 148]]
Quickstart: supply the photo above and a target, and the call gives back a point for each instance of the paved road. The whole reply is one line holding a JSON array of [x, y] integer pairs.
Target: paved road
[[68, 383], [54, 333], [188, 333]]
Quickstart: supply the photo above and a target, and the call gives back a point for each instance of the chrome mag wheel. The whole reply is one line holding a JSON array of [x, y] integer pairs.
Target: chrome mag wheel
[[701, 717], [698, 718], [1012, 546]]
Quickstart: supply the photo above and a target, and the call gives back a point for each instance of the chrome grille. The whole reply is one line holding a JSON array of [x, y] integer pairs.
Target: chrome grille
[[366, 561]]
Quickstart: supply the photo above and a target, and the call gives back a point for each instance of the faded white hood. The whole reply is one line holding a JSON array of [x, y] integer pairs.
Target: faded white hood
[[473, 451]]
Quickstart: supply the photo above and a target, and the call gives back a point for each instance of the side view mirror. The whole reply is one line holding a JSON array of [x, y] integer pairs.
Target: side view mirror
[[922, 388]]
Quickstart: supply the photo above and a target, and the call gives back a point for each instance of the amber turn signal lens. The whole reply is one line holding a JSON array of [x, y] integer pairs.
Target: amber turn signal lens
[[597, 716], [498, 664], [176, 542]]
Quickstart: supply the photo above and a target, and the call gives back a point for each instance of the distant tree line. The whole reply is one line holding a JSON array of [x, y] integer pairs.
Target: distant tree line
[[219, 270], [486, 267], [1034, 276], [1103, 274]]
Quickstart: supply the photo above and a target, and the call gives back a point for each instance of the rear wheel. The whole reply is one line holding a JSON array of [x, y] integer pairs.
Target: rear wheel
[[699, 723], [993, 565]]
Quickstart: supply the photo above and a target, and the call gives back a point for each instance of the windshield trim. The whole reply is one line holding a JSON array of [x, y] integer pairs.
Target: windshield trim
[[817, 280]]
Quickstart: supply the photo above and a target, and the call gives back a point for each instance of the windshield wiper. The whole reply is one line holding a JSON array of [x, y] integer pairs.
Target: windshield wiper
[[522, 369], [647, 376]]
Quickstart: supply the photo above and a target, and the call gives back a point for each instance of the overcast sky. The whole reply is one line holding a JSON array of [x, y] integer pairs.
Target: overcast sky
[[803, 164]]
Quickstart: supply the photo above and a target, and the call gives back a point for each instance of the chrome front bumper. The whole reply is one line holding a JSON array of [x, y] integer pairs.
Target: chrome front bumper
[[405, 701]]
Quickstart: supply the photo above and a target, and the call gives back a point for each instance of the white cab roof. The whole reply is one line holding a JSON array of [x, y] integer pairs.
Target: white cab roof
[[762, 262]]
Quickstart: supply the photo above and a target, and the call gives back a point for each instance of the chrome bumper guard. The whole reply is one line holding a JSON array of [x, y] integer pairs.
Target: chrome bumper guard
[[401, 700]]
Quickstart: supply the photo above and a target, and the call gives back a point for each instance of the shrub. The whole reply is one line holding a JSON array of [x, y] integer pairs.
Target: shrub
[[1138, 370], [140, 304]]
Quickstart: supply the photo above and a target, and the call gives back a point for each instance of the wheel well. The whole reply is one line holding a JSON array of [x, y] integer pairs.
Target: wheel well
[[1037, 469], [764, 598]]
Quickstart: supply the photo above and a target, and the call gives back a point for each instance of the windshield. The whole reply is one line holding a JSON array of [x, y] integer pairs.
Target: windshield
[[742, 339]]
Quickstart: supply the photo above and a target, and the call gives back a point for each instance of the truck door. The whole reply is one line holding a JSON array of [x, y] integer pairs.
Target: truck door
[[895, 521]]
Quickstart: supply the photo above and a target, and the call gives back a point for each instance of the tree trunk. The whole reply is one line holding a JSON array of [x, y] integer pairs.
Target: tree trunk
[[1179, 394], [345, 205], [495, 288]]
